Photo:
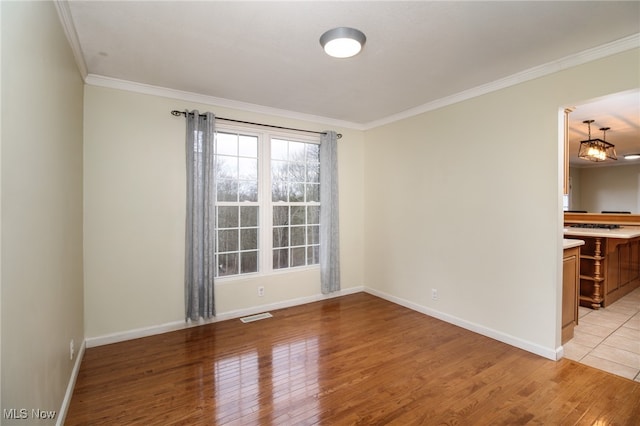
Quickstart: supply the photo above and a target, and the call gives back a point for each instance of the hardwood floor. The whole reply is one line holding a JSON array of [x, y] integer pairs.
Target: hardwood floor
[[354, 360]]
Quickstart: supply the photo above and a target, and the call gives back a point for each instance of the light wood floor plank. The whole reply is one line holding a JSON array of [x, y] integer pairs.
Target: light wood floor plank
[[352, 360]]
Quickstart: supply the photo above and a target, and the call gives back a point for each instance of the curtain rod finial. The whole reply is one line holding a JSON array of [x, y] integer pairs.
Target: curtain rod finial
[[176, 113]]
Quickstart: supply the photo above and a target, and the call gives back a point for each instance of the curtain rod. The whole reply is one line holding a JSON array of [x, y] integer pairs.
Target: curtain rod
[[179, 113]]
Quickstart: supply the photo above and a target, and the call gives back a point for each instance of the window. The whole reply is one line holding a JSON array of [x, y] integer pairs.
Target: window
[[566, 197], [237, 208], [295, 193], [267, 202]]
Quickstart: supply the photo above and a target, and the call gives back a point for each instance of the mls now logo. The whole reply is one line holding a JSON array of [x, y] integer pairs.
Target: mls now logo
[[23, 414], [15, 413]]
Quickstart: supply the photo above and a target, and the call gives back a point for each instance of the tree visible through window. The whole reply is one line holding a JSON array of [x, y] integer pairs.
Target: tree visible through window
[[295, 193], [237, 208], [267, 202]]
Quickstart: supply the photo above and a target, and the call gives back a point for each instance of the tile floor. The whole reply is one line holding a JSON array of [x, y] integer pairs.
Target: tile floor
[[609, 338]]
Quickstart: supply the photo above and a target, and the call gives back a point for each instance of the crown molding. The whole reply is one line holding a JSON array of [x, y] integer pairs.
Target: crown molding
[[618, 46], [147, 89], [64, 13]]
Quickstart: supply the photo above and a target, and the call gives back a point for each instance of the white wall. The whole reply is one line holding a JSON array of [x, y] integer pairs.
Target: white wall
[[575, 190], [41, 175], [610, 188], [134, 192], [445, 210]]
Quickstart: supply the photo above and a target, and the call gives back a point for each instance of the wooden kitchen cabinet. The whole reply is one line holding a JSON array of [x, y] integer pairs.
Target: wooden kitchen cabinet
[[610, 257], [623, 273], [570, 292], [610, 269]]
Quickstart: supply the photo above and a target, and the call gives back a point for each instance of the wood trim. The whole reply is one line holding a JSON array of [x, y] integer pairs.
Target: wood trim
[[617, 219], [565, 185]]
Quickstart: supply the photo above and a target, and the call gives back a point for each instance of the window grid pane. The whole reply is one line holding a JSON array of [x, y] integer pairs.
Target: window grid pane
[[237, 211], [237, 239], [291, 171], [295, 192]]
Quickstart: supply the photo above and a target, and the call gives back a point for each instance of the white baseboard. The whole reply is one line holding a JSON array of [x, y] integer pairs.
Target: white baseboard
[[181, 324], [559, 353], [286, 304], [552, 354], [62, 414], [136, 333]]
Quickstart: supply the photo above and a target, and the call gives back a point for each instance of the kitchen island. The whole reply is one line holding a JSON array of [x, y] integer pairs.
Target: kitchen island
[[609, 262]]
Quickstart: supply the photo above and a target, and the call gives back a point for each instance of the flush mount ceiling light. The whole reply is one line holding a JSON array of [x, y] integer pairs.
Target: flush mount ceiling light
[[342, 42], [632, 156], [597, 149]]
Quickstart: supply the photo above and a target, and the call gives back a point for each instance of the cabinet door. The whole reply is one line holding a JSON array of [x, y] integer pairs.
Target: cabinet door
[[635, 259], [631, 265], [624, 253], [570, 279], [612, 277]]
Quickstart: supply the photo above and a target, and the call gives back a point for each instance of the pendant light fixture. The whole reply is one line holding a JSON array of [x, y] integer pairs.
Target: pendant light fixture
[[597, 149], [342, 42]]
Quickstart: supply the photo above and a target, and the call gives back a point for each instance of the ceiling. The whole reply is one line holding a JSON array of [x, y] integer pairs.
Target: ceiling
[[267, 53]]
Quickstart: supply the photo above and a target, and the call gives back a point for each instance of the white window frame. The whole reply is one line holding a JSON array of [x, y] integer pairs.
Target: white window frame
[[265, 203]]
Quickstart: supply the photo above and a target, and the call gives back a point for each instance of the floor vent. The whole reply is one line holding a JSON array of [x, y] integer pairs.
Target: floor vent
[[256, 317]]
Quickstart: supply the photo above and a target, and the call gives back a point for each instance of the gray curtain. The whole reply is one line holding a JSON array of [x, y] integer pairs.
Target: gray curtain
[[199, 265], [329, 235]]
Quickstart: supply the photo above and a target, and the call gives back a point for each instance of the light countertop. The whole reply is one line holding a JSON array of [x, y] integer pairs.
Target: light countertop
[[570, 243], [625, 231]]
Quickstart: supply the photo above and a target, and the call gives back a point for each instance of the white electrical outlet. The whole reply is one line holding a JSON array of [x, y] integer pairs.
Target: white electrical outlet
[[434, 293], [261, 291], [71, 350]]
